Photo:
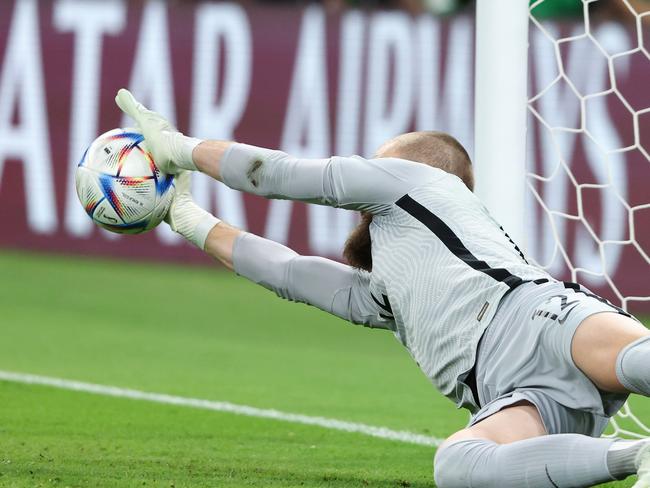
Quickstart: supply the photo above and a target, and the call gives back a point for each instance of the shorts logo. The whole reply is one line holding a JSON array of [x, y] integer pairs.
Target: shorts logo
[[561, 320], [576, 291], [564, 304]]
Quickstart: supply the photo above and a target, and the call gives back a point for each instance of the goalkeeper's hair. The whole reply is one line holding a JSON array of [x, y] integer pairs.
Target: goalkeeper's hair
[[433, 148], [436, 149]]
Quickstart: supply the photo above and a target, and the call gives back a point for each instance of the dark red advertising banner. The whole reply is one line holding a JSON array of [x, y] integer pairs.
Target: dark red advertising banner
[[315, 84]]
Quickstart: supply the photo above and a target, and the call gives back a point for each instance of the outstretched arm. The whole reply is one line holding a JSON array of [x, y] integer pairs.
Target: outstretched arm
[[353, 182], [208, 155], [333, 287]]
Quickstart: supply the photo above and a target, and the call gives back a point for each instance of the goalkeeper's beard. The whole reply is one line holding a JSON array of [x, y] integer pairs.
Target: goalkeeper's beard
[[357, 250]]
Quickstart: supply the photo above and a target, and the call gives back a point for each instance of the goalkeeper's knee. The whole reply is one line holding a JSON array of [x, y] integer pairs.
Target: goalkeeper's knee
[[458, 464]]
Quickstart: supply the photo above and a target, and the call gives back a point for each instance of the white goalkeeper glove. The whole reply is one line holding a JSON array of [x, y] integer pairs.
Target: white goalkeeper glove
[[171, 150], [186, 217]]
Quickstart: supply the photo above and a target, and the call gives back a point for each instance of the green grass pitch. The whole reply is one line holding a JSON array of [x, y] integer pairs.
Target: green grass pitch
[[200, 333]]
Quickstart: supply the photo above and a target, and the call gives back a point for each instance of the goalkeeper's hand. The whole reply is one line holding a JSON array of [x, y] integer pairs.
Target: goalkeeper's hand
[[186, 217], [171, 150]]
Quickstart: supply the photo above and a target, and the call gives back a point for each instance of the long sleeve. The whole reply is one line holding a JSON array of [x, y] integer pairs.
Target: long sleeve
[[354, 183], [333, 287]]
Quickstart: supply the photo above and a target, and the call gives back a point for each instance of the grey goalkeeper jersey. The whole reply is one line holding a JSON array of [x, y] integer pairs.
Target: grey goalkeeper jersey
[[441, 263]]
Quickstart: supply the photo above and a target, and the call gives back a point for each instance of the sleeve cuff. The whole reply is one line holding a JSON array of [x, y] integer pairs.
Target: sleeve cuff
[[203, 228]]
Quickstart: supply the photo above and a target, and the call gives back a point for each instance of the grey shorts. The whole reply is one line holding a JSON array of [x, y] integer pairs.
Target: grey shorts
[[525, 355]]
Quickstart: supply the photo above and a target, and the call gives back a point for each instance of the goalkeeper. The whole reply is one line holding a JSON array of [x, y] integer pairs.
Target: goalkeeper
[[540, 364]]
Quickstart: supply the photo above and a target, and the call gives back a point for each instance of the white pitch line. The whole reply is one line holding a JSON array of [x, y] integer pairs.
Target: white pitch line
[[115, 391]]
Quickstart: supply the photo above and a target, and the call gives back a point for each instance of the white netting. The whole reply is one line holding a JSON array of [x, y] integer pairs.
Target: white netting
[[588, 169]]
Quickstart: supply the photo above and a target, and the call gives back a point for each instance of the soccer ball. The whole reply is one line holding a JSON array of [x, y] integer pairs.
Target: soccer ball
[[119, 184]]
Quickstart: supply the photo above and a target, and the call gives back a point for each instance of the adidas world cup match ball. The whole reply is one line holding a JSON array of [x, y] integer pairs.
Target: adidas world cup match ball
[[119, 184]]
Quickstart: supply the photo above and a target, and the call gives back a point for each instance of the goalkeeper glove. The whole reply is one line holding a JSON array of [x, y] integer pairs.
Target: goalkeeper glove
[[171, 150], [186, 217]]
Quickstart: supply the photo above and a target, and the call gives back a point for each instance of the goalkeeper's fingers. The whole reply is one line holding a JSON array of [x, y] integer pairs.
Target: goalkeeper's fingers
[[129, 105], [144, 117]]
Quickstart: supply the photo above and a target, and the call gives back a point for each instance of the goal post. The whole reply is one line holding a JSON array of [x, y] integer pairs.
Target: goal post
[[587, 121], [500, 111]]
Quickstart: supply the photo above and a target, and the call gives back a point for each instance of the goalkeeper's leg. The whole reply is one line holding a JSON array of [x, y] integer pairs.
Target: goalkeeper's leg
[[613, 351], [510, 450]]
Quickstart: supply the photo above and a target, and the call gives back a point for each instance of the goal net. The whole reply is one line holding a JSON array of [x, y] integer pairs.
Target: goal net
[[588, 154]]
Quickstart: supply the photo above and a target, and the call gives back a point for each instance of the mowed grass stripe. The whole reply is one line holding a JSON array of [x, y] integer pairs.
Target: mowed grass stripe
[[220, 406], [202, 333], [56, 437]]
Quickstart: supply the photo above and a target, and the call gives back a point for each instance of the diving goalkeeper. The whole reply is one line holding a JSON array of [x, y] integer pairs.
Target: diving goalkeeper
[[540, 364]]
